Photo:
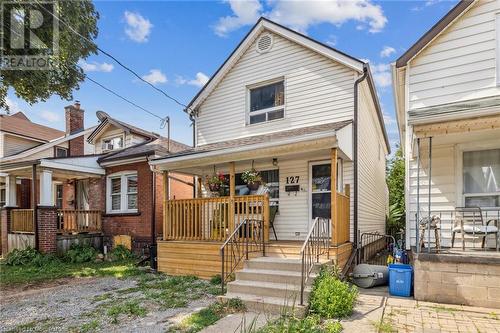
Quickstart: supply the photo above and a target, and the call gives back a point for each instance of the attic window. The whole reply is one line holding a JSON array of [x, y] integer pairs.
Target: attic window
[[264, 43], [112, 143]]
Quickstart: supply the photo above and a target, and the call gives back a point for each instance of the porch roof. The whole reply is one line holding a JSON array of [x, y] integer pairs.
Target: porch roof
[[283, 142]]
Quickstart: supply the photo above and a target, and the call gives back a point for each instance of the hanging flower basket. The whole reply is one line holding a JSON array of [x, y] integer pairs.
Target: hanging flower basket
[[214, 187], [252, 178], [215, 182]]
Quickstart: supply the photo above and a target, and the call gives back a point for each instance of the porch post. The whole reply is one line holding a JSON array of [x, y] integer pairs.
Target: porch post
[[34, 190], [166, 191], [231, 195], [11, 191], [333, 188], [46, 197], [199, 193]]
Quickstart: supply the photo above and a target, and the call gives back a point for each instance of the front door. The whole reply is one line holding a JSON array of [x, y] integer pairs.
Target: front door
[[320, 190]]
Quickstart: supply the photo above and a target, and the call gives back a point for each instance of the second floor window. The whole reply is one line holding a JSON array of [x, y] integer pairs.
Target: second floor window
[[112, 143], [122, 193], [61, 152], [267, 103]]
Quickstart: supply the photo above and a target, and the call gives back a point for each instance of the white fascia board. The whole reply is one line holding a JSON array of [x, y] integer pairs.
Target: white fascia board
[[124, 161], [71, 167], [42, 147], [245, 148]]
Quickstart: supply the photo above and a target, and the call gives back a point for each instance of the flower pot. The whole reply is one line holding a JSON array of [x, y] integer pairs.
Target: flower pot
[[214, 187], [253, 186]]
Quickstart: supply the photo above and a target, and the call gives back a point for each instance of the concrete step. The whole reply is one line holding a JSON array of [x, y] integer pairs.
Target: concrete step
[[268, 305], [270, 289], [267, 275], [275, 263]]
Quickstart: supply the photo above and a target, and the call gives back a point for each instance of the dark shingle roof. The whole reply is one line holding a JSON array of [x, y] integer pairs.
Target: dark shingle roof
[[256, 139]]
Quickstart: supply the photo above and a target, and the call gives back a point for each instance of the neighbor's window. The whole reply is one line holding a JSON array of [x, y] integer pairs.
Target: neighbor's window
[[2, 197], [122, 193], [481, 178], [112, 143], [267, 103], [61, 152], [59, 196]]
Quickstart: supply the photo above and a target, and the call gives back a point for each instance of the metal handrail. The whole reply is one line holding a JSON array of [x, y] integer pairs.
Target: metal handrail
[[247, 237], [316, 244]]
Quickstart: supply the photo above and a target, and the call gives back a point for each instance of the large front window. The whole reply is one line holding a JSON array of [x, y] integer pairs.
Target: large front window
[[481, 178], [267, 103], [122, 193]]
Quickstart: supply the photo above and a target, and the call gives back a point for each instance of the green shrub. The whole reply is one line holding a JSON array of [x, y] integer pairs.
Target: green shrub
[[331, 297], [120, 252], [79, 253], [216, 279], [29, 256]]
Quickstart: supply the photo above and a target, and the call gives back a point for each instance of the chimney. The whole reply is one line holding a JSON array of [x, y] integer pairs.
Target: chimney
[[74, 124]]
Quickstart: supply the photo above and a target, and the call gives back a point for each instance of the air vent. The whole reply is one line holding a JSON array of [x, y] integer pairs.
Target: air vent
[[264, 43]]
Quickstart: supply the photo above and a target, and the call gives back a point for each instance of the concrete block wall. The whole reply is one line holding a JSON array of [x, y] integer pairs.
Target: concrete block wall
[[467, 280]]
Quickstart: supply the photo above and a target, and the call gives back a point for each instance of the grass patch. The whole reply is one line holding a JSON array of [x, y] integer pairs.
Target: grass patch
[[31, 273], [208, 316], [384, 326], [91, 326], [309, 324], [131, 308]]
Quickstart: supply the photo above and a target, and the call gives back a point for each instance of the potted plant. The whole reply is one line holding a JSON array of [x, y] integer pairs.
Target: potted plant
[[252, 178], [216, 181]]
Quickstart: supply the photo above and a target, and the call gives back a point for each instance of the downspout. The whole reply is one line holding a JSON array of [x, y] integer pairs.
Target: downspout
[[193, 123], [355, 143], [152, 247]]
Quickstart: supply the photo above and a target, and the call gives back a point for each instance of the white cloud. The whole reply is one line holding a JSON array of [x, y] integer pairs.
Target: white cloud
[[332, 40], [13, 106], [199, 81], [95, 66], [138, 28], [381, 74], [155, 76], [300, 15], [387, 51], [389, 120], [50, 116], [244, 13]]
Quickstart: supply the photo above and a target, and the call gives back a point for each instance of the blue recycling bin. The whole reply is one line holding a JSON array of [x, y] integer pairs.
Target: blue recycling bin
[[400, 280]]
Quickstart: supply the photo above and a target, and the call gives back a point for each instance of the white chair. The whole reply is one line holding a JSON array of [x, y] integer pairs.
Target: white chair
[[469, 221]]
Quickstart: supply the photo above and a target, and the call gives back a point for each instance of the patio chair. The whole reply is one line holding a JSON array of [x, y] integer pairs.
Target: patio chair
[[425, 226], [469, 220]]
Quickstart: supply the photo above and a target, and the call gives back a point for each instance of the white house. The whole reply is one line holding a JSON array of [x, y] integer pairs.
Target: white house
[[447, 98], [306, 116]]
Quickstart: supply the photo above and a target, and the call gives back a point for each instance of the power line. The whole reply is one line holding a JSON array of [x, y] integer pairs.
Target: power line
[[117, 61]]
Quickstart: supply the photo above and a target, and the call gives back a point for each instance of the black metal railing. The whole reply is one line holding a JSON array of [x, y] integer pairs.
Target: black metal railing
[[374, 248], [247, 237], [317, 243], [439, 229]]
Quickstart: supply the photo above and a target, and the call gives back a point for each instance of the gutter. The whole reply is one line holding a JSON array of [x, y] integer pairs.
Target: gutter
[[355, 152]]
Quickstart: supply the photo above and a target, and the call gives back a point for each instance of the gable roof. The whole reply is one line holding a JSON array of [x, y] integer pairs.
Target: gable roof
[[433, 32], [19, 124], [106, 120], [266, 24], [157, 146]]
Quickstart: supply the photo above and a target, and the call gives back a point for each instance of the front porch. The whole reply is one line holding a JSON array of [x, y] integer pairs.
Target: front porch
[[54, 200]]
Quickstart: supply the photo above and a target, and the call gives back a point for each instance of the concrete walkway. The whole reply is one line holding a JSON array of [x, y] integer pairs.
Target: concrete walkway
[[378, 312]]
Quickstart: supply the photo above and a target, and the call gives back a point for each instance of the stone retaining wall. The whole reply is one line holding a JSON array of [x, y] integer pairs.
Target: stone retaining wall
[[458, 279]]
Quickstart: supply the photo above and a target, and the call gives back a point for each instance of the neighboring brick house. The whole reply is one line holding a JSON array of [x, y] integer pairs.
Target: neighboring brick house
[[130, 206], [83, 171]]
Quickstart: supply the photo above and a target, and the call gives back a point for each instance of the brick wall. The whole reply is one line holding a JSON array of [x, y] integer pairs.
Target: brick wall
[[74, 124], [139, 225], [47, 229], [97, 193], [468, 279]]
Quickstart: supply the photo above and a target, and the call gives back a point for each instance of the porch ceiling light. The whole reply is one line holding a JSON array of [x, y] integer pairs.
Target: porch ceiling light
[[275, 162]]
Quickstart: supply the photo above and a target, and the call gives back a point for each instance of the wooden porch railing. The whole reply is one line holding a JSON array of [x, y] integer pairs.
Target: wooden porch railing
[[213, 219], [341, 231], [75, 221], [22, 220]]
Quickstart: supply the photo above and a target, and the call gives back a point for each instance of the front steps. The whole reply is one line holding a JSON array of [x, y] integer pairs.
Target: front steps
[[271, 285]]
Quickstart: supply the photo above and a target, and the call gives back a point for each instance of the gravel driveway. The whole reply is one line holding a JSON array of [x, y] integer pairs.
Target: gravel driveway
[[146, 303]]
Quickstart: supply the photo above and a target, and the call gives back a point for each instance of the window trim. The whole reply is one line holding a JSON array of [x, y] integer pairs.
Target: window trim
[[60, 148], [459, 154], [122, 175], [259, 84]]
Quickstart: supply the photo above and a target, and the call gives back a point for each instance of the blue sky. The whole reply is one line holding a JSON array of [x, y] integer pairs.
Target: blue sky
[[178, 45]]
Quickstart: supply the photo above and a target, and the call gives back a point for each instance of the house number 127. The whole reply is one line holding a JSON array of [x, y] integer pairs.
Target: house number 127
[[292, 180]]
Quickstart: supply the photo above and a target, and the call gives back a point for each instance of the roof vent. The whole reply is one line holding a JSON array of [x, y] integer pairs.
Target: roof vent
[[264, 43]]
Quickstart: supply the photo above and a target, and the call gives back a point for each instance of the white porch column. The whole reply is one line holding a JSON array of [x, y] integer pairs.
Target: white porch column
[[46, 195], [10, 191]]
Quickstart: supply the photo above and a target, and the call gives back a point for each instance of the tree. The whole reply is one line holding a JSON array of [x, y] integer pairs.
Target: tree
[[395, 178], [38, 85]]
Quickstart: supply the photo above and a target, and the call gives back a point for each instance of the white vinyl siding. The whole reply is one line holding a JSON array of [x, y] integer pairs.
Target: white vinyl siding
[[372, 199], [129, 139], [14, 144], [461, 63], [317, 90]]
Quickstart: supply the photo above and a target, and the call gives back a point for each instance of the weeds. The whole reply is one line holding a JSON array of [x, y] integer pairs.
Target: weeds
[[130, 308], [91, 326], [384, 326]]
